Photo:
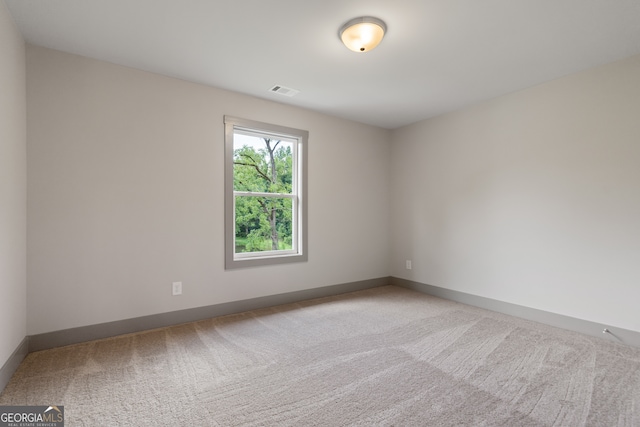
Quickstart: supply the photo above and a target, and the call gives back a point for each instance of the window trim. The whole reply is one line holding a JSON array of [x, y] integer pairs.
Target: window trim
[[300, 138]]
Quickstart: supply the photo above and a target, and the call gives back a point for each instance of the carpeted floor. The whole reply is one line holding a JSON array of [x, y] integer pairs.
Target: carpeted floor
[[385, 356]]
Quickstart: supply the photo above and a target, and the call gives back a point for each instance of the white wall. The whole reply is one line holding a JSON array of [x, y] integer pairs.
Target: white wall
[[126, 195], [531, 198], [13, 187]]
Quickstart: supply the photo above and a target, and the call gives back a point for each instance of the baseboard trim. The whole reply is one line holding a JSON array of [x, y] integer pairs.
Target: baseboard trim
[[105, 330], [586, 327], [11, 365]]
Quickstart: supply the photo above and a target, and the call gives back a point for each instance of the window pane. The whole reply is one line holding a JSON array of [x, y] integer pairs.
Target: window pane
[[265, 194], [263, 224], [262, 164]]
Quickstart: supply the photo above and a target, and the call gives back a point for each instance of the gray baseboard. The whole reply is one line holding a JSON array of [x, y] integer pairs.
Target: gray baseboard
[[104, 330], [586, 327], [10, 366], [110, 329]]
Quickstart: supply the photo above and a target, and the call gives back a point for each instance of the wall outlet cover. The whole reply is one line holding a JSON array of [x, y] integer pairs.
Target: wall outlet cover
[[176, 288]]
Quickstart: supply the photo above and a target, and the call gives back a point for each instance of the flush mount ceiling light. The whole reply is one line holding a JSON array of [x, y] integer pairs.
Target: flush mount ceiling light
[[362, 34]]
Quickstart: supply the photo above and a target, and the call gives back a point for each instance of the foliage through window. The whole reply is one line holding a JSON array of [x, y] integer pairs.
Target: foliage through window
[[265, 197]]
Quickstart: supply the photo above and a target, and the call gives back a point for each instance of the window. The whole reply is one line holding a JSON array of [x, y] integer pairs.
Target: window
[[265, 194]]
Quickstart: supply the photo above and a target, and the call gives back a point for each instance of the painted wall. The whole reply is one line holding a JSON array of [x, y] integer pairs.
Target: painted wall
[[126, 195], [531, 198], [13, 187]]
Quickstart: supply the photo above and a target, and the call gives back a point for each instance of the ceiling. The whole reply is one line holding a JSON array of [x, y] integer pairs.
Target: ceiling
[[437, 56]]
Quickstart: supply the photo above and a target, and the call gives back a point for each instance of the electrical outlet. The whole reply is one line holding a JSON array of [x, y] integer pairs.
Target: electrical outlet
[[176, 288], [408, 264]]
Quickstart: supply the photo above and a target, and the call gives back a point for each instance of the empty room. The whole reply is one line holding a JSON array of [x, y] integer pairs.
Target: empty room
[[305, 213]]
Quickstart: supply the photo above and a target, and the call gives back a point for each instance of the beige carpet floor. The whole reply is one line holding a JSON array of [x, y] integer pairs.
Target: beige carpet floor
[[386, 356]]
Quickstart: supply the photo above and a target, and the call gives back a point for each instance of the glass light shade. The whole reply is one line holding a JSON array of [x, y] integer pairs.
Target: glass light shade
[[362, 34]]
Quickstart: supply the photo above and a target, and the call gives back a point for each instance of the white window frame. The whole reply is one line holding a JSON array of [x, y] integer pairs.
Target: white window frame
[[299, 139]]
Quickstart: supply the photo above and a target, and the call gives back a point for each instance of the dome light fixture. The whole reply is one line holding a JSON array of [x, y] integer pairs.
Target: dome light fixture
[[362, 34]]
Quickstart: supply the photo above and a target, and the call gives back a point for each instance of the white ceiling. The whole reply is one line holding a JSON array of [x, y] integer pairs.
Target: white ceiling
[[437, 56]]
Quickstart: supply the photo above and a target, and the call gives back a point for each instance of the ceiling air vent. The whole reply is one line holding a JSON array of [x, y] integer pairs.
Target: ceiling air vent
[[286, 91]]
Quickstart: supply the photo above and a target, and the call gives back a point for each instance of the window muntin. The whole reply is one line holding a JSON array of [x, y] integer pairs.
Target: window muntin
[[265, 194]]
